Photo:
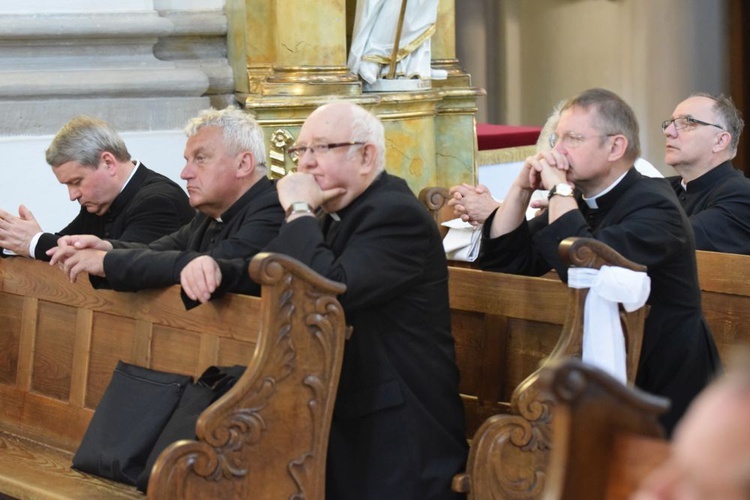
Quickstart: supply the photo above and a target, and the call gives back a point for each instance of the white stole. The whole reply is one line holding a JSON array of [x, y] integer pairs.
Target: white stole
[[603, 339]]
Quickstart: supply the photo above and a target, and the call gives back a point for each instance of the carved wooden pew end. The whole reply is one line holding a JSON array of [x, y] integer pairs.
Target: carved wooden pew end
[[267, 436]]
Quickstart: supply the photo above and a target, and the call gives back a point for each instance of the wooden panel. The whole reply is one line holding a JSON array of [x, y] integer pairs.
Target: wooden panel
[[112, 340], [11, 307], [233, 352], [177, 351], [237, 314], [540, 299], [53, 350]]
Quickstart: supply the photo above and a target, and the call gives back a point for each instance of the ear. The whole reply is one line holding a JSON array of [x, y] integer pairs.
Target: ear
[[110, 162], [722, 141], [618, 148], [369, 157], [246, 165]]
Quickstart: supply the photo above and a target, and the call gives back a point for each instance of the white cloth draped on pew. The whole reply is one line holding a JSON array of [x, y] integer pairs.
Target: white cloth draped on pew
[[603, 338], [462, 241]]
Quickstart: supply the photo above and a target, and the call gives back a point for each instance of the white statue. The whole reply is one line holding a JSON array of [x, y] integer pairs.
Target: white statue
[[376, 24]]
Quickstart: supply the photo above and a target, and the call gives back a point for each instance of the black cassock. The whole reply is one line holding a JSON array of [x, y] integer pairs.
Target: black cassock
[[640, 218]]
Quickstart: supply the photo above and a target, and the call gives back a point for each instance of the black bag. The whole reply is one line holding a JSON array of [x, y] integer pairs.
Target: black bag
[[213, 383], [127, 422]]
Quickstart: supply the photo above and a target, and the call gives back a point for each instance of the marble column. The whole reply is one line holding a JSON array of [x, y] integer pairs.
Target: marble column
[[59, 59], [289, 57]]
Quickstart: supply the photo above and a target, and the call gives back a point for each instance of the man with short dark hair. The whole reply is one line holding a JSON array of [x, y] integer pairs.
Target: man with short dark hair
[[595, 146], [701, 141], [119, 198]]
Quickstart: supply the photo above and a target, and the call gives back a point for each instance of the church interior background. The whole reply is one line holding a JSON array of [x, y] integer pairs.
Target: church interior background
[[149, 65]]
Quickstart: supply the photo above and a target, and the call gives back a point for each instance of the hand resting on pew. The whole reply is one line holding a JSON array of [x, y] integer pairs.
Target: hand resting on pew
[[79, 253]]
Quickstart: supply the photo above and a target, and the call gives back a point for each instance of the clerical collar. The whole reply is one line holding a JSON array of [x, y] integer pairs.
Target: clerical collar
[[335, 216], [132, 173], [591, 202], [683, 184]]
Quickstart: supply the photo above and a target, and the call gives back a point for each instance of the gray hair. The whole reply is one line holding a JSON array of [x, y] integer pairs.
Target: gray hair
[[729, 116], [615, 116], [240, 131], [83, 140], [367, 127]]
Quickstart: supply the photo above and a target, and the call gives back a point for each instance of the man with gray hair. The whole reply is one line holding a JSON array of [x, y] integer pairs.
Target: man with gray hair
[[701, 141], [119, 198], [238, 211], [595, 144], [398, 425]]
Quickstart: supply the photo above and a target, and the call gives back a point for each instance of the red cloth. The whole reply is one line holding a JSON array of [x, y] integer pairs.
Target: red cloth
[[491, 136]]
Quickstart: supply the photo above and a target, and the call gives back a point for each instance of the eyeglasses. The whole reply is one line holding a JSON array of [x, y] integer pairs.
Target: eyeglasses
[[572, 141], [317, 149], [686, 122]]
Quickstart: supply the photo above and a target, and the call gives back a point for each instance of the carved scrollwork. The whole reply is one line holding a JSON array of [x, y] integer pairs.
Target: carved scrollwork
[[281, 139]]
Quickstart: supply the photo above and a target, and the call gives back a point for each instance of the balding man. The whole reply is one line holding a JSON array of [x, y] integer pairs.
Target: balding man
[[701, 140], [398, 429]]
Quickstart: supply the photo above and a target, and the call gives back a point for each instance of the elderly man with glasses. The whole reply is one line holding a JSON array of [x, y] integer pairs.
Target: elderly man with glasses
[[701, 141], [398, 424], [596, 192]]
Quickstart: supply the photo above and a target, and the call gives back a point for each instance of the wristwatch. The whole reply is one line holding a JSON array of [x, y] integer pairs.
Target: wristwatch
[[561, 189], [299, 207]]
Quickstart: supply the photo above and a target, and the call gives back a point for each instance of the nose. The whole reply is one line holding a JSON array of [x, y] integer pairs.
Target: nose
[[187, 172], [671, 130], [306, 162], [74, 193]]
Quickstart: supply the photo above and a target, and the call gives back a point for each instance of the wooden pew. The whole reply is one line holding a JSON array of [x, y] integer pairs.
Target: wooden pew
[[268, 436], [605, 436], [501, 337], [509, 451], [725, 291]]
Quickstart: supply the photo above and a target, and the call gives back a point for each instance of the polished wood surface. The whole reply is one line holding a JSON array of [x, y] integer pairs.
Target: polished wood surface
[[606, 437], [61, 341]]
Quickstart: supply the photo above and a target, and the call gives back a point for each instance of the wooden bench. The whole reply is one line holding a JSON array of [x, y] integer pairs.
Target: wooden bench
[[605, 437], [502, 336], [509, 451], [267, 437]]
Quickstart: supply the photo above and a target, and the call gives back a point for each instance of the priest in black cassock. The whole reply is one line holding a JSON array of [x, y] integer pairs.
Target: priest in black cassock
[[596, 192], [701, 141]]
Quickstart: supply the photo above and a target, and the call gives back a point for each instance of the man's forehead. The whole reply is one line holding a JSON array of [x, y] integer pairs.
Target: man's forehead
[[207, 138], [575, 118], [71, 169], [693, 105]]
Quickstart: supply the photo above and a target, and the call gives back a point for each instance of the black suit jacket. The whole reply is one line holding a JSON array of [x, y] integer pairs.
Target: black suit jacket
[[718, 204], [398, 429], [150, 206], [641, 219], [245, 228]]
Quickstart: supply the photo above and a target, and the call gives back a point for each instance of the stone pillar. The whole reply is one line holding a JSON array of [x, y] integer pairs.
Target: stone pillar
[[59, 59], [289, 57], [199, 41], [456, 117]]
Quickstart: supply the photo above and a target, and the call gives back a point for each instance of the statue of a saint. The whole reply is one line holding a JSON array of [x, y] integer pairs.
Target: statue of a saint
[[383, 28]]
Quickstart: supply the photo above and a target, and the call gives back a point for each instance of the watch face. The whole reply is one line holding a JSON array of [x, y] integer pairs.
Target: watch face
[[563, 189]]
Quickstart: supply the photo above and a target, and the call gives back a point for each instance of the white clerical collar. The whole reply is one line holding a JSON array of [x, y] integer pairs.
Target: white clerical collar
[[683, 184], [335, 216], [591, 202], [137, 164]]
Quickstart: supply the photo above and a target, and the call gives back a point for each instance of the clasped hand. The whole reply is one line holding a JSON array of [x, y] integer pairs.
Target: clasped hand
[[542, 171], [79, 253]]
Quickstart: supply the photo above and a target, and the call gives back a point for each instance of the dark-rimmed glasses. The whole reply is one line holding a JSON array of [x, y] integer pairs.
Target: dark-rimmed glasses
[[683, 122]]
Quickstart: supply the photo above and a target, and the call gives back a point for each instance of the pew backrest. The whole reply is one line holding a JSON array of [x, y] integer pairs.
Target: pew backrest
[[268, 435], [605, 436]]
